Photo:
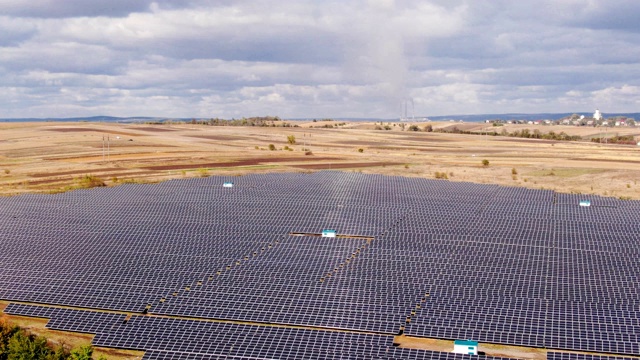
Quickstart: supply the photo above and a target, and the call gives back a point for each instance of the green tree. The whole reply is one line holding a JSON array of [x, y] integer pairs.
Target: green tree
[[27, 347], [61, 353], [485, 162], [428, 128], [291, 139], [82, 353], [6, 333]]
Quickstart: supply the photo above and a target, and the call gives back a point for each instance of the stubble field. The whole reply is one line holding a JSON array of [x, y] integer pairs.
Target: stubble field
[[52, 157]]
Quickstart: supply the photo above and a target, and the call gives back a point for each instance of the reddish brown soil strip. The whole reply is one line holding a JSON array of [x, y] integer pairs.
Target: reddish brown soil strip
[[124, 143], [429, 138], [220, 137], [153, 129], [249, 162], [50, 181], [343, 165], [73, 172], [358, 142], [65, 130], [80, 129], [425, 138], [134, 156], [118, 174], [394, 148]]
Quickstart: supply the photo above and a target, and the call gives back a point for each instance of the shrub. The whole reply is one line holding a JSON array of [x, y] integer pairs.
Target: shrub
[[514, 171], [24, 346], [308, 152], [485, 162], [90, 181], [272, 147], [360, 150], [257, 147], [202, 172], [286, 147], [428, 128], [19, 344], [291, 139], [7, 171], [414, 128], [441, 175], [82, 353]]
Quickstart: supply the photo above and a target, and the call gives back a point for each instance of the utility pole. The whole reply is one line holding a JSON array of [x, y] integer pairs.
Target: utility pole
[[103, 148]]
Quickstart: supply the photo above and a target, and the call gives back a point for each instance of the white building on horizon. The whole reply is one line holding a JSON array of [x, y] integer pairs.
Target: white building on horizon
[[597, 115]]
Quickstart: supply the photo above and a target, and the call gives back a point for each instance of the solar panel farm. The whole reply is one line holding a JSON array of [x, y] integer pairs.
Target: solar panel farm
[[290, 263]]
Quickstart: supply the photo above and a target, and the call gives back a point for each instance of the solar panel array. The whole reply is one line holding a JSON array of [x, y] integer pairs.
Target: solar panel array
[[571, 356], [172, 338], [92, 322], [430, 258]]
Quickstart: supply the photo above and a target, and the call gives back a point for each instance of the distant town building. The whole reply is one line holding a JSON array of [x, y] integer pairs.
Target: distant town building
[[597, 115]]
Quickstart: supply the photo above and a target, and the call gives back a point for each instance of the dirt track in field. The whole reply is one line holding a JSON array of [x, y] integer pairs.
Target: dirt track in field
[[231, 164], [343, 165]]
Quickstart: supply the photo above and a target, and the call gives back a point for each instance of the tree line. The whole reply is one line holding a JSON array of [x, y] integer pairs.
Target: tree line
[[524, 133], [19, 344]]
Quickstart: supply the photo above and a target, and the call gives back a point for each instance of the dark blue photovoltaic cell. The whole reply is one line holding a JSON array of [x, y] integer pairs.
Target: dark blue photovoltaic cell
[[570, 356], [428, 258], [92, 322], [164, 339]]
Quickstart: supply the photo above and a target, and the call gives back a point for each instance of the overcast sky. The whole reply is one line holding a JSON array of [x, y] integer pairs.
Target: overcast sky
[[317, 58]]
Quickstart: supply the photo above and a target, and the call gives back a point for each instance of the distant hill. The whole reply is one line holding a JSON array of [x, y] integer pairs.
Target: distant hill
[[88, 119], [466, 118]]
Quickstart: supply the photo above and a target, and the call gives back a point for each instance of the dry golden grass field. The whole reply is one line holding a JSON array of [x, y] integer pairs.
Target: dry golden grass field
[[53, 157]]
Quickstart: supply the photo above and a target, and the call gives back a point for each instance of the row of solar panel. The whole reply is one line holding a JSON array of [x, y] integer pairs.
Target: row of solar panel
[[92, 322], [167, 204]]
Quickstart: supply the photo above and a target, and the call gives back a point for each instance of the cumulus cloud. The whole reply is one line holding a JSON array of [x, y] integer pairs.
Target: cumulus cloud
[[357, 58]]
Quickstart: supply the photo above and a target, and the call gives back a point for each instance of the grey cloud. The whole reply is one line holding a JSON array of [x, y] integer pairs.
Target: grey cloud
[[81, 8], [70, 8], [314, 58]]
